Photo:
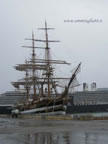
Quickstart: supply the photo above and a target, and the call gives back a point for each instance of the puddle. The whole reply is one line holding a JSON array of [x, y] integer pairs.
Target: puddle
[[54, 138], [18, 131]]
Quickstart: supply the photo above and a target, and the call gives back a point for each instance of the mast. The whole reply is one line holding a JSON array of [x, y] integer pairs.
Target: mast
[[27, 87], [47, 54], [33, 62], [32, 65], [49, 71]]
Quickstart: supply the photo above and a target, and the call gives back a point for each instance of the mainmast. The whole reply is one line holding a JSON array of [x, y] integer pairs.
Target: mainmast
[[33, 62], [49, 70], [47, 54]]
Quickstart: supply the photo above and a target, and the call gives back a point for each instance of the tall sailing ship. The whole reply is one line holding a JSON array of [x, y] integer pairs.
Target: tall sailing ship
[[40, 84]]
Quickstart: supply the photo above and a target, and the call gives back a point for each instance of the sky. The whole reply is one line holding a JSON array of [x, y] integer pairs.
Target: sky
[[80, 41]]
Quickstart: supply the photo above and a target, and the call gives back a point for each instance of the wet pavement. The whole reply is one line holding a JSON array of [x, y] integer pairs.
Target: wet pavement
[[31, 131]]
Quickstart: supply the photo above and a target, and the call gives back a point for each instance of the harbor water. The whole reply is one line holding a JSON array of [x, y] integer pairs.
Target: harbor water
[[31, 131]]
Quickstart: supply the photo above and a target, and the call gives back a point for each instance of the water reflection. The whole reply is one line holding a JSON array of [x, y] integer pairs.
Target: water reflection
[[43, 138], [66, 137], [55, 138], [91, 138]]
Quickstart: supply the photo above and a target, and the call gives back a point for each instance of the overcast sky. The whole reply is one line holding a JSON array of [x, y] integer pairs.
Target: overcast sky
[[80, 41]]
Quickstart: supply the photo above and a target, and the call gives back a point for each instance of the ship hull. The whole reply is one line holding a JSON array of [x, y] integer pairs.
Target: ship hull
[[87, 108], [5, 109], [46, 109], [69, 110]]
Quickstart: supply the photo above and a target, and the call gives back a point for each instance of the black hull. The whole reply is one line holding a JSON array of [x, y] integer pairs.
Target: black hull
[[5, 109], [87, 108], [70, 109]]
